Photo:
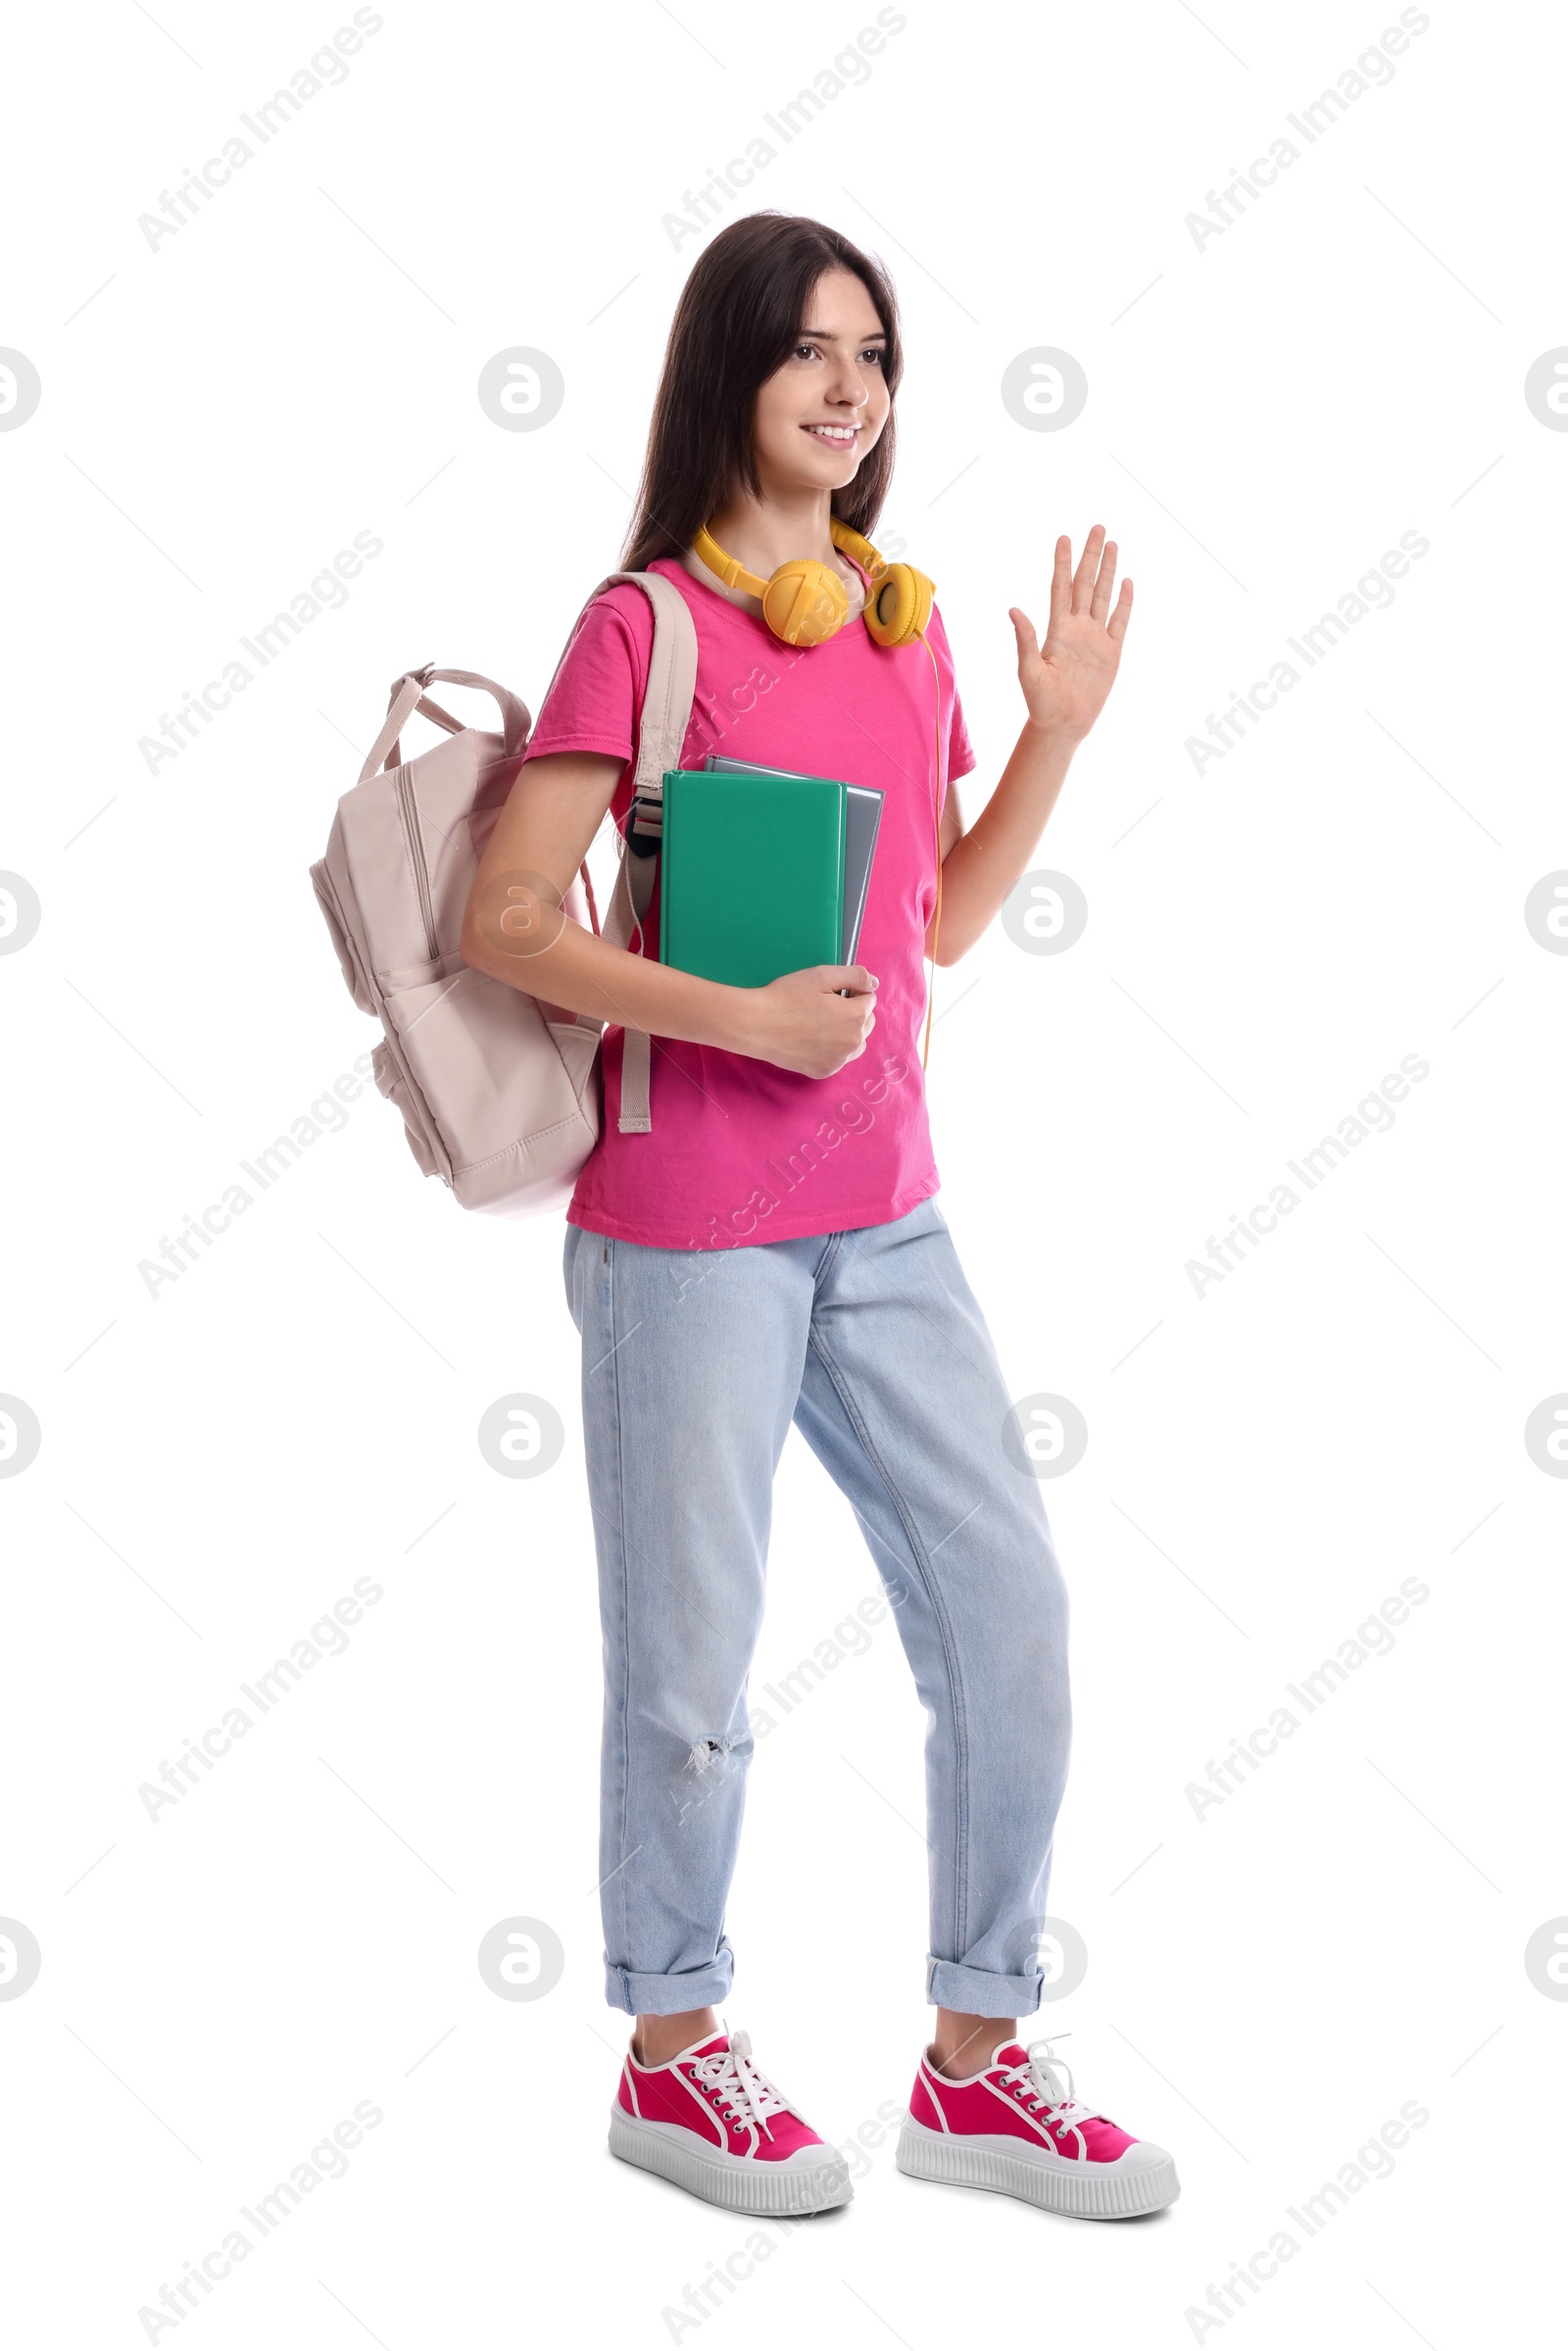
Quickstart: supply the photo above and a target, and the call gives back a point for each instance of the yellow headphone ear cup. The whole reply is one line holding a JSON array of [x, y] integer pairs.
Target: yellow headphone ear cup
[[898, 605], [804, 603]]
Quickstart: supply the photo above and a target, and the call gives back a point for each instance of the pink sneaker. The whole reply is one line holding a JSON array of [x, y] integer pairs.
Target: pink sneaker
[[1016, 2127], [711, 2122]]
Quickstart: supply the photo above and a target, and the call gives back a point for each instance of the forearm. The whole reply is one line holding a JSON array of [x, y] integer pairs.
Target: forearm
[[582, 974], [982, 867]]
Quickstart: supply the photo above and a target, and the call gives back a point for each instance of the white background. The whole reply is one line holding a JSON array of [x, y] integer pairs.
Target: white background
[[219, 1463]]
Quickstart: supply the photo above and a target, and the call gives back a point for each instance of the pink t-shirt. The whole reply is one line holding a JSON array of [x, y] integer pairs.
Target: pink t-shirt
[[743, 1152]]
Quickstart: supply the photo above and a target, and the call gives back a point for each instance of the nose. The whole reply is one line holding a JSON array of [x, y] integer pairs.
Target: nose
[[848, 386]]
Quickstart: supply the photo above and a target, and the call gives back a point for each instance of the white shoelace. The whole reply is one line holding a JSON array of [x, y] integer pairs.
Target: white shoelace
[[742, 2086], [1045, 2081]]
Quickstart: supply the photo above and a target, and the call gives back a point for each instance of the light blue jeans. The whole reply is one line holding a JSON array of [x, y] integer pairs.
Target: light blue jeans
[[694, 1364]]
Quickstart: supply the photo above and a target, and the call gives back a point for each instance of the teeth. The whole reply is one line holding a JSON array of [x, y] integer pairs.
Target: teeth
[[833, 432]]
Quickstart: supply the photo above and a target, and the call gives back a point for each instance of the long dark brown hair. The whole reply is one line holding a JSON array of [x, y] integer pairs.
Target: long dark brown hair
[[739, 316]]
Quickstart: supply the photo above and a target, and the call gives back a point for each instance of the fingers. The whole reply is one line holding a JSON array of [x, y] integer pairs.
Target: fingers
[[848, 979], [1104, 581], [1061, 581], [1083, 580], [1084, 593]]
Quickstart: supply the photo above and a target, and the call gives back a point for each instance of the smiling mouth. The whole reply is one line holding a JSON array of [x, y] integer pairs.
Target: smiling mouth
[[837, 436]]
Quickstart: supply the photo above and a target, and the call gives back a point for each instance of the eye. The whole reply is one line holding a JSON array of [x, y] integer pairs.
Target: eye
[[874, 353]]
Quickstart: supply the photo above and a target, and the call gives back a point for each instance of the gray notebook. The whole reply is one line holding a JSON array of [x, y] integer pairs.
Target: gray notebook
[[862, 817]]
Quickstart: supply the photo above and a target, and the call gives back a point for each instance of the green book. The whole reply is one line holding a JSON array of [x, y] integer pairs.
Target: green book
[[751, 874], [862, 821]]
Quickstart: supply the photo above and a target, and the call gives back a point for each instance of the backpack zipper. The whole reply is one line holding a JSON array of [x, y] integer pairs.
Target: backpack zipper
[[421, 876]]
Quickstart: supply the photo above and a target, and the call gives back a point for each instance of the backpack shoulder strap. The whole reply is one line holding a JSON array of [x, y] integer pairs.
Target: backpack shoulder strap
[[668, 699], [666, 714]]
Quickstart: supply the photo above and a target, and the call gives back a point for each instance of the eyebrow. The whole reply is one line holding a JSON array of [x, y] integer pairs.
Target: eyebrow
[[820, 334]]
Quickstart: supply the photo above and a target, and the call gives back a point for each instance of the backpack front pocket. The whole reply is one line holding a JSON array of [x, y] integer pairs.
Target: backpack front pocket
[[485, 1054]]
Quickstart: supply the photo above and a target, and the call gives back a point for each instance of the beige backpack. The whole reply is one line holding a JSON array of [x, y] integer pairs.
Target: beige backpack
[[496, 1088]]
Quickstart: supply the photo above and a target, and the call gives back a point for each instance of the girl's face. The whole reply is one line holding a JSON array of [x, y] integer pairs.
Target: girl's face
[[819, 413]]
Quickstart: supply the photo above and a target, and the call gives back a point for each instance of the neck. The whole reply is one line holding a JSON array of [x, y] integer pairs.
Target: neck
[[764, 533]]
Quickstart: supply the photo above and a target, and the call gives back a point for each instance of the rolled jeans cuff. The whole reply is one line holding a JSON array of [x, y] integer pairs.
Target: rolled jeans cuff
[[976, 1992], [672, 1995]]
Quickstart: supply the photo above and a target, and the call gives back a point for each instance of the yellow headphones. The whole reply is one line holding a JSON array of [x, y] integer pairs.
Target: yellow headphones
[[806, 601]]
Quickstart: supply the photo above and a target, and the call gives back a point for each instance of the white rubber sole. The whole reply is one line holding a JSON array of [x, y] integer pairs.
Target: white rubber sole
[[1087, 2192], [731, 2181]]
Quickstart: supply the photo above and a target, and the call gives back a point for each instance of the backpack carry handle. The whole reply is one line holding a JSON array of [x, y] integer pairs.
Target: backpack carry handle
[[407, 695]]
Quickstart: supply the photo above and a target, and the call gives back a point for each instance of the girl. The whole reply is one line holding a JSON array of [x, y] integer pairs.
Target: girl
[[771, 1249]]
